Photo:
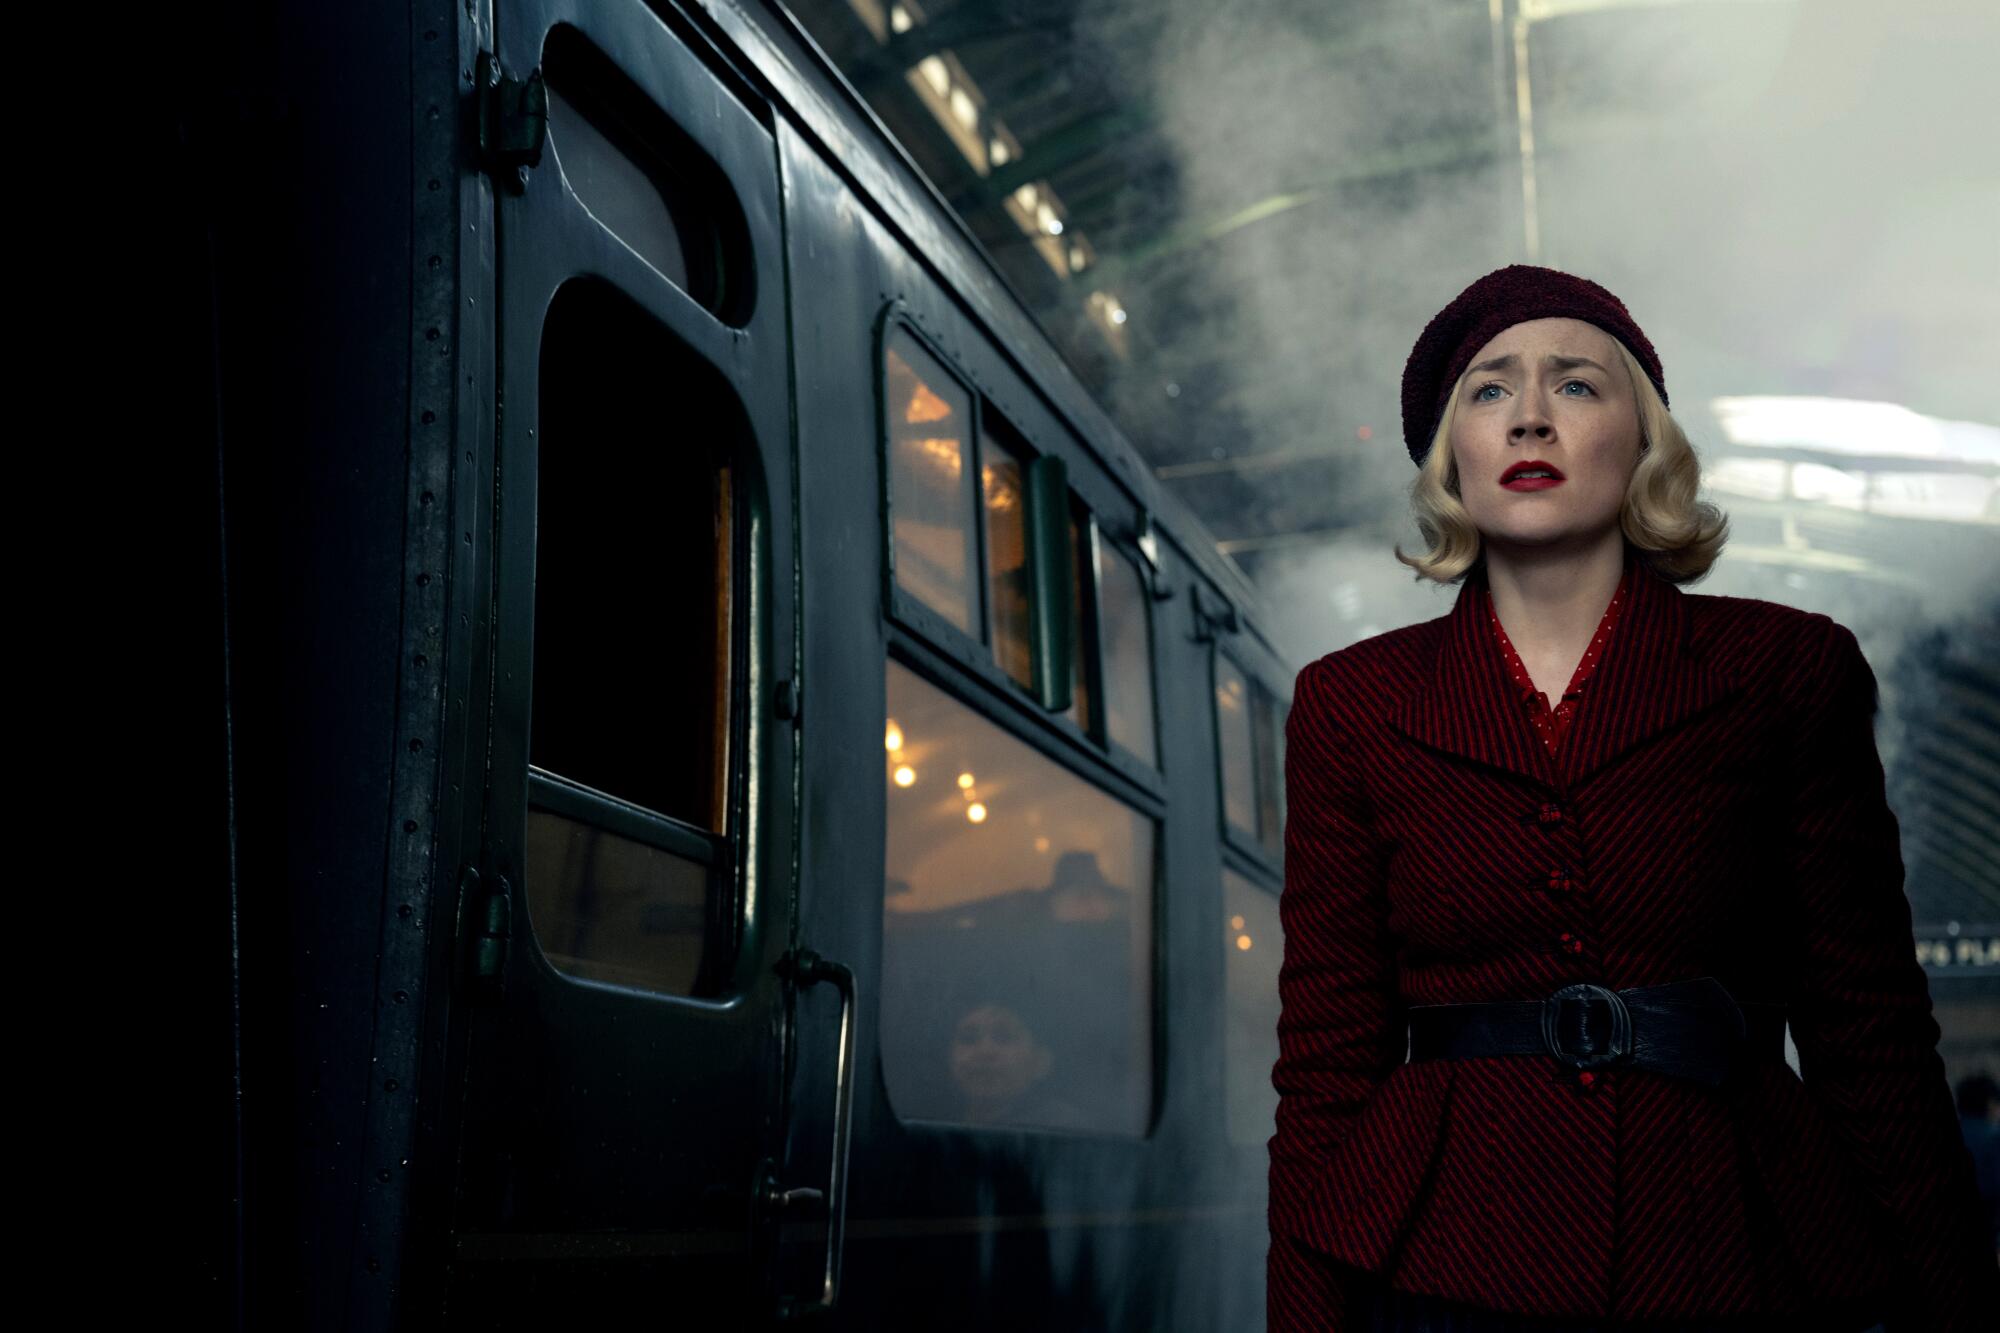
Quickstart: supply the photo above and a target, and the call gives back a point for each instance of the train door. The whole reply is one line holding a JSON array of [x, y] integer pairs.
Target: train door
[[630, 914]]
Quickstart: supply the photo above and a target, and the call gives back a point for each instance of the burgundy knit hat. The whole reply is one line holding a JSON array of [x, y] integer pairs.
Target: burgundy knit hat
[[1503, 298]]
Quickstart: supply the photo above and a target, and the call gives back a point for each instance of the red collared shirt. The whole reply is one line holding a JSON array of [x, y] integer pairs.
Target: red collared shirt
[[1554, 723]]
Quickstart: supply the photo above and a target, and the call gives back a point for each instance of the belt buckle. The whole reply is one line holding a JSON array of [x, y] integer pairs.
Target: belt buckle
[[1583, 992]]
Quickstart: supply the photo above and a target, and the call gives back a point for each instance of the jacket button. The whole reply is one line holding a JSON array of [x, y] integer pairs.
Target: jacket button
[[1571, 942], [1561, 883], [1550, 813]]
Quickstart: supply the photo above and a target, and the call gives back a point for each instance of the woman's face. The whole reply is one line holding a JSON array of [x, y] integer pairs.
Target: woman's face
[[1553, 392]]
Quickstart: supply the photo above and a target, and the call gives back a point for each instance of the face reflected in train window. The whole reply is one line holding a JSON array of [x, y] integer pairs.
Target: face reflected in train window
[[1252, 949], [1017, 967], [1128, 655], [931, 505], [997, 1063]]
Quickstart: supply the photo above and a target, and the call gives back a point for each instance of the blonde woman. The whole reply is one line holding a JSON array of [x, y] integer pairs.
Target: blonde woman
[[1561, 867]]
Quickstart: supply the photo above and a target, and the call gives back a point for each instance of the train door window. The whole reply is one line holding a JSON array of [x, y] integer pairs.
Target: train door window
[[930, 482], [615, 909], [1127, 652], [637, 553], [1017, 969], [1252, 950]]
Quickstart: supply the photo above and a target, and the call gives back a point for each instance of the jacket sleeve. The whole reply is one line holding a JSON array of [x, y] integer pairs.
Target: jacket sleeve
[[1863, 1024], [1340, 1027]]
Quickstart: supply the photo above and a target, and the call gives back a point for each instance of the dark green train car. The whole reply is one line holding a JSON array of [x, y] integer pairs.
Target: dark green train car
[[749, 803]]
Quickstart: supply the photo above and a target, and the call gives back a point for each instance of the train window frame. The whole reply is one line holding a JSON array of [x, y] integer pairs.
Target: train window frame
[[712, 232], [724, 851], [1120, 783], [901, 603], [1088, 669], [974, 656], [1251, 845]]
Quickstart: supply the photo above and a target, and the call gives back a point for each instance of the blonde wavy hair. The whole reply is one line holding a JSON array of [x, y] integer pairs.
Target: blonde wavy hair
[[1677, 535]]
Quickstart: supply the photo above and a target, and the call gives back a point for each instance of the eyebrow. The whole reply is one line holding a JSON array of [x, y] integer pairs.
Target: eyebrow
[[1509, 361]]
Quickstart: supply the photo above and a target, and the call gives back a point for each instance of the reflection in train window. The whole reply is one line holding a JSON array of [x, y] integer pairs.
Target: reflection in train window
[[611, 909], [1237, 749], [1252, 949], [1128, 655], [630, 697], [1017, 968], [930, 482], [1250, 739]]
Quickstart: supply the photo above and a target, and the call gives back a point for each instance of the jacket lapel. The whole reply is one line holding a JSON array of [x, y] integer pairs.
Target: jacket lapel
[[1466, 705], [1651, 677], [1648, 679]]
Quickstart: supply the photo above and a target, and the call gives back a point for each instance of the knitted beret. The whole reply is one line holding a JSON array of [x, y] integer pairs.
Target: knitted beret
[[1500, 300]]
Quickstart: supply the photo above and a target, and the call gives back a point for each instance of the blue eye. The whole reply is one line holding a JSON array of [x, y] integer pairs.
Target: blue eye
[[1481, 390], [1580, 384]]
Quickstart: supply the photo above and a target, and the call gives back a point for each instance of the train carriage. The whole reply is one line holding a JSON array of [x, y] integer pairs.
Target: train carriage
[[751, 804]]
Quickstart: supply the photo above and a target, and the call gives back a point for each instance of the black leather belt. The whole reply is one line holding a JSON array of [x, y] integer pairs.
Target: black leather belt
[[1691, 1029]]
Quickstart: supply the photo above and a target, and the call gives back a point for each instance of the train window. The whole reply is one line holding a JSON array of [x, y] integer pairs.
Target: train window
[[630, 697], [1127, 654], [1267, 728], [1008, 590], [612, 909], [641, 176], [1252, 950], [1236, 745], [930, 482], [1017, 969], [1009, 583], [1250, 731]]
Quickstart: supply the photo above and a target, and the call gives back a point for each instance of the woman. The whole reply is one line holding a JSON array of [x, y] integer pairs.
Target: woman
[[1539, 958]]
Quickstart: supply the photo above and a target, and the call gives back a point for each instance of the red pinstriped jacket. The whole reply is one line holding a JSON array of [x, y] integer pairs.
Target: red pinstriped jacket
[[1716, 808]]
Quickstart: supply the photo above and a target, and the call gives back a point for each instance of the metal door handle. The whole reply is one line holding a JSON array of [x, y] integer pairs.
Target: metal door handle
[[804, 968]]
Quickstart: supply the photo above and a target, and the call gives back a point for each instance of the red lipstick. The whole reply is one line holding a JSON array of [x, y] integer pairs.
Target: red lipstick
[[1547, 475]]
